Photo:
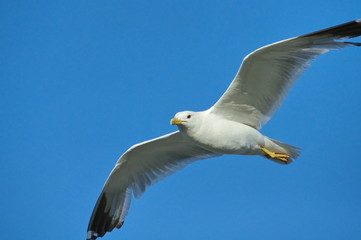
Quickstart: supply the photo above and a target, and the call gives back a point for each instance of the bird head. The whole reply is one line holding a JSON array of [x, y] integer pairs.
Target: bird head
[[185, 119]]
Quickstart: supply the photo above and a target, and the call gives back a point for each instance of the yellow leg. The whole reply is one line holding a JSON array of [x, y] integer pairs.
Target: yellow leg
[[274, 155]]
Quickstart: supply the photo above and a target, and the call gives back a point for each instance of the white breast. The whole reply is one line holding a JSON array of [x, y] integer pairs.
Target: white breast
[[227, 137]]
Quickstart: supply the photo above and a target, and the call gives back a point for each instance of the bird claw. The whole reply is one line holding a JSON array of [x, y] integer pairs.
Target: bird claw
[[283, 157]]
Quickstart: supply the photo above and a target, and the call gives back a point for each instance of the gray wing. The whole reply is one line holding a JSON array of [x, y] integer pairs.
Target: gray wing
[[139, 167], [267, 74]]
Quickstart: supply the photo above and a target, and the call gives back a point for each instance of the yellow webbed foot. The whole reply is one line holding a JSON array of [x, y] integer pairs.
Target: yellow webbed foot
[[283, 157]]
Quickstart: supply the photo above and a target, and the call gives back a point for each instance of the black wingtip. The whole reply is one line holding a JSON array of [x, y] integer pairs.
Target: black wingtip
[[346, 30], [100, 219], [94, 230], [90, 235], [354, 43]]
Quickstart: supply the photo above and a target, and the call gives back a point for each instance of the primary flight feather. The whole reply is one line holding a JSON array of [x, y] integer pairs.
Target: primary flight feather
[[229, 127]]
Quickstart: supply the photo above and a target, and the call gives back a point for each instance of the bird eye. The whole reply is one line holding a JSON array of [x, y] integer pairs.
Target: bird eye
[[189, 116]]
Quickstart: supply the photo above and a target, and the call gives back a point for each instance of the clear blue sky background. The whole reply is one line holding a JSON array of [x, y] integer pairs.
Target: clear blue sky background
[[82, 81]]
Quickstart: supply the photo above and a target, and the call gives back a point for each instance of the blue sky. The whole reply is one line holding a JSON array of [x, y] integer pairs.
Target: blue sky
[[82, 81]]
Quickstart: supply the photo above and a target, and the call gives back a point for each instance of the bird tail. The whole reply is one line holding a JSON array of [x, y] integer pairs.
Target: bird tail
[[280, 147]]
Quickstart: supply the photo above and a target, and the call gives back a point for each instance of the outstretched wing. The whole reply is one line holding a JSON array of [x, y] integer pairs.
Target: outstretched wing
[[267, 74], [139, 167]]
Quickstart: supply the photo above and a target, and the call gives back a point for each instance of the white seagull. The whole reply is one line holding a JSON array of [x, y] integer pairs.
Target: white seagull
[[228, 127]]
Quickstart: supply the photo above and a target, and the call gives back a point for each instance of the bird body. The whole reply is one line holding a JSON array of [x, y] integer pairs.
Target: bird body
[[230, 126], [220, 135]]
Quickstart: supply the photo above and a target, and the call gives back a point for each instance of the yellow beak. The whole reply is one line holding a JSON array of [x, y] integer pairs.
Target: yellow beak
[[176, 121]]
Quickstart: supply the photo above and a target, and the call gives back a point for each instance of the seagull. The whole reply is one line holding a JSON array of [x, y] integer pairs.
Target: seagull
[[230, 126]]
